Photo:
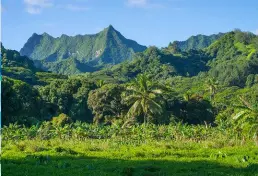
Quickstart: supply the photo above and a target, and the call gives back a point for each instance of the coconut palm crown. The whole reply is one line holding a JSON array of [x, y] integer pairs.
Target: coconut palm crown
[[145, 99]]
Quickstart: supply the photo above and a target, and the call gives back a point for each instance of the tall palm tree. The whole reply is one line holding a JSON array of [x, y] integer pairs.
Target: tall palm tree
[[145, 98], [212, 85]]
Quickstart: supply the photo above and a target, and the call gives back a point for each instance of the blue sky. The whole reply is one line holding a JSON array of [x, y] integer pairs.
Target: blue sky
[[149, 22]]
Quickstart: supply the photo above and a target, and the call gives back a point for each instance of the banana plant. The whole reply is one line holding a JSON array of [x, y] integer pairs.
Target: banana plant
[[247, 116]]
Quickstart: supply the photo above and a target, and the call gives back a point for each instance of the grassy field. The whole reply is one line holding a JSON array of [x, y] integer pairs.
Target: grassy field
[[120, 157]]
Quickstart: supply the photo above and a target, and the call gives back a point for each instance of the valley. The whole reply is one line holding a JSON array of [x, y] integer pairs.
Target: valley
[[105, 105]]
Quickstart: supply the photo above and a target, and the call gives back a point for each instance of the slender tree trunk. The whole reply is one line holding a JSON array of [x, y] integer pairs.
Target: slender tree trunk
[[145, 113]]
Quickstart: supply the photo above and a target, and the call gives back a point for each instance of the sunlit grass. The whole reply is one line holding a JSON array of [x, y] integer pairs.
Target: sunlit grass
[[192, 150]]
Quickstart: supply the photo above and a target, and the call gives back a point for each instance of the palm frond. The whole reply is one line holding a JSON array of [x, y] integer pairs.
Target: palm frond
[[157, 91], [245, 102], [239, 115], [154, 107], [136, 109]]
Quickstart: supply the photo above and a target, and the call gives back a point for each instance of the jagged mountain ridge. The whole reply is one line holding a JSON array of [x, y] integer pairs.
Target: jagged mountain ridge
[[89, 52]]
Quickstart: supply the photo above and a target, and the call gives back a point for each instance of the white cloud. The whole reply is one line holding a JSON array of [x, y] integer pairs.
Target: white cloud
[[36, 6], [73, 7], [256, 32]]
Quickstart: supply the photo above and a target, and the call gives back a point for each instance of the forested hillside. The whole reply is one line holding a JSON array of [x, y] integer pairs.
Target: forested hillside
[[197, 42], [195, 83], [234, 58], [22, 68]]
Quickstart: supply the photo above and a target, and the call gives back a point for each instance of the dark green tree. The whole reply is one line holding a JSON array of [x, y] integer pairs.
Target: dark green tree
[[105, 103]]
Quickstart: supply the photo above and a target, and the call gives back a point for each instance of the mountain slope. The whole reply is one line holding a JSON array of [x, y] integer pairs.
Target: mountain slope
[[12, 58], [158, 64], [197, 42], [107, 47], [232, 60]]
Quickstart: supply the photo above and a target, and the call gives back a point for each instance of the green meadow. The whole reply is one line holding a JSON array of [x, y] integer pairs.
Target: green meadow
[[188, 150]]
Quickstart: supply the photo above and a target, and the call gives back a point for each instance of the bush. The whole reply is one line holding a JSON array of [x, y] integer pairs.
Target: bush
[[61, 120]]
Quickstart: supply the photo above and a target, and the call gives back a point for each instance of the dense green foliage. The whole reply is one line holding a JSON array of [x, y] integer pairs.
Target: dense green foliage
[[191, 88], [69, 97], [106, 103], [21, 102], [234, 58], [81, 53], [16, 66], [158, 64]]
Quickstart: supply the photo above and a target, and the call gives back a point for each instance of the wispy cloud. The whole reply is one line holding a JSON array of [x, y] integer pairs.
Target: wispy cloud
[[73, 7], [36, 6], [256, 32], [143, 4]]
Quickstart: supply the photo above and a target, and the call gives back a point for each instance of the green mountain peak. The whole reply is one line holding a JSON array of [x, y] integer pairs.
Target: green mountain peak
[[107, 47]]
